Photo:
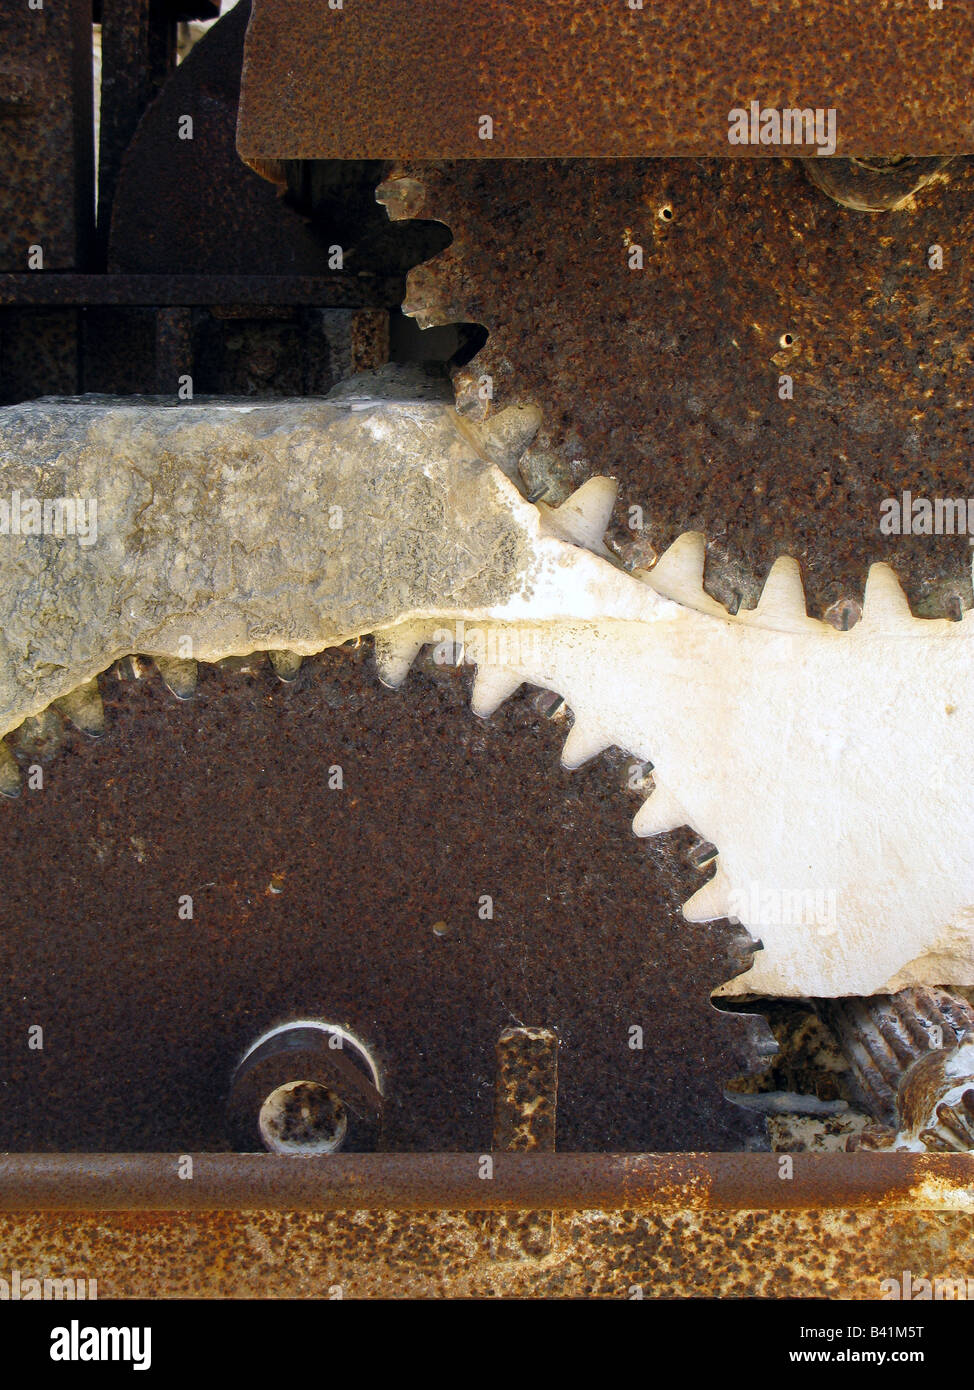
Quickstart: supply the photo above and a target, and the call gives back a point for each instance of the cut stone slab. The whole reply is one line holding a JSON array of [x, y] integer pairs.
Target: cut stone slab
[[831, 769]]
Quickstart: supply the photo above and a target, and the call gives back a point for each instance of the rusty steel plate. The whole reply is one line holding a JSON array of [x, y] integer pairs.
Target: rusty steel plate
[[380, 1226], [770, 368], [598, 77], [359, 906], [218, 219], [216, 216], [897, 1182], [390, 1253], [46, 135]]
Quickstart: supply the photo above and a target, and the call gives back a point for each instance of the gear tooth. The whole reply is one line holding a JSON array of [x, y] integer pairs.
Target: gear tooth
[[659, 814], [469, 400], [9, 771], [180, 676], [885, 607], [582, 743], [505, 436], [286, 665], [434, 291], [710, 902], [402, 197], [678, 573], [395, 653], [783, 595], [491, 687], [84, 708], [582, 518]]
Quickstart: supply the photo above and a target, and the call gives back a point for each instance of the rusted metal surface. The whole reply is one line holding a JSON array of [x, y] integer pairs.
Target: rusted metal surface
[[381, 1225], [147, 1015], [192, 205], [138, 54], [217, 234], [597, 77], [526, 1095], [669, 377], [896, 1182], [46, 140], [173, 349], [126, 90], [304, 1055], [933, 1106], [330, 903], [674, 1254], [874, 185], [241, 349], [39, 353], [525, 1119]]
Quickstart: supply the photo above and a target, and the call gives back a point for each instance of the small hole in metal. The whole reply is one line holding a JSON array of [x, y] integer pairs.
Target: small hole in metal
[[302, 1117]]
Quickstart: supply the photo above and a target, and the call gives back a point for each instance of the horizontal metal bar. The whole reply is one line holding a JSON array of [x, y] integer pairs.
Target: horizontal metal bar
[[598, 78], [484, 1182], [336, 291]]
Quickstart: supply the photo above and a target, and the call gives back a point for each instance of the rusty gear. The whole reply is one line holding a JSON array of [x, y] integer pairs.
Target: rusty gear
[[661, 313], [308, 898]]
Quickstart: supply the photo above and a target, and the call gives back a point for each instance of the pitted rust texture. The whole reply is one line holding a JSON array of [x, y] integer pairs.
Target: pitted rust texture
[[668, 377], [526, 1089], [595, 78], [46, 140], [677, 1254], [525, 1119], [146, 1015]]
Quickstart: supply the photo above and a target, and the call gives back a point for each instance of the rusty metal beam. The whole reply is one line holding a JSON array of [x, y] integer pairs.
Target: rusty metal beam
[[336, 290], [46, 135], [590, 78], [388, 1254], [464, 1182]]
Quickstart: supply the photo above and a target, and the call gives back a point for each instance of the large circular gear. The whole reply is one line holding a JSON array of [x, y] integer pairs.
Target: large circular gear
[[360, 903], [749, 359]]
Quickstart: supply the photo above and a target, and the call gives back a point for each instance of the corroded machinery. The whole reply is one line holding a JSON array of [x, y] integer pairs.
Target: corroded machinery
[[622, 498]]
